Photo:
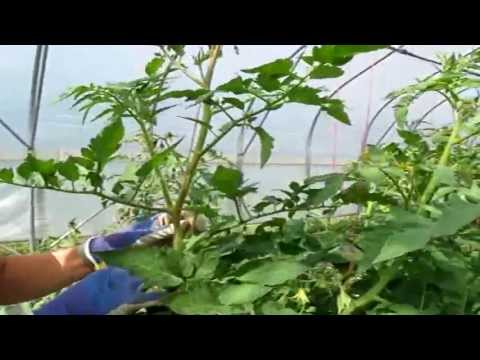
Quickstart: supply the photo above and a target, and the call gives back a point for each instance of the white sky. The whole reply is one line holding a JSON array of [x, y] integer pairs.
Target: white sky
[[61, 127]]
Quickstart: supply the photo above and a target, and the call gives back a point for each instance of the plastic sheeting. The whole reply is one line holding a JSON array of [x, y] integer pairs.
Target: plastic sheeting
[[60, 130]]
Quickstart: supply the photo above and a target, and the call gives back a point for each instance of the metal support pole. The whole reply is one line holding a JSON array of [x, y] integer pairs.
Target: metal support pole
[[38, 75], [14, 134], [308, 147]]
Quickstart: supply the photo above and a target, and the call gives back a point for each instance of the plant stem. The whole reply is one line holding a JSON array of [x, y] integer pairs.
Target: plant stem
[[197, 152], [151, 151], [246, 221], [9, 250], [467, 137], [374, 291], [465, 301], [397, 186], [95, 193], [422, 300], [250, 115], [427, 194], [182, 68], [237, 208]]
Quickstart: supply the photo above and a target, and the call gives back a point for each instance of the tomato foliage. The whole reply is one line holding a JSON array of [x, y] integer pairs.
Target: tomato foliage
[[412, 247]]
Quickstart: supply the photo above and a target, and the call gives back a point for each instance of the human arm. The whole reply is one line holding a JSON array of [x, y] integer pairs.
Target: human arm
[[27, 277]]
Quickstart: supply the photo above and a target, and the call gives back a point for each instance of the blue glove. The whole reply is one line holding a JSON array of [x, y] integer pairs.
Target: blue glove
[[98, 294], [124, 238], [146, 231]]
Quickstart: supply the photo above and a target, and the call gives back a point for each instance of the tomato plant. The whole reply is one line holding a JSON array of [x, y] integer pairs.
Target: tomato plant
[[411, 249]]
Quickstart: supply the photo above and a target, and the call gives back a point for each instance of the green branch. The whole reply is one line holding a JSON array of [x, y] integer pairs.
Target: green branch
[[197, 152], [432, 184], [237, 122], [151, 150], [373, 293], [253, 218], [397, 186], [95, 193], [182, 68], [462, 140]]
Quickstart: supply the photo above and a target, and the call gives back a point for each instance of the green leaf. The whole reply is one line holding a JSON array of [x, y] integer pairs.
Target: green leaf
[[276, 69], [6, 175], [227, 180], [336, 109], [88, 154], [118, 187], [105, 144], [401, 110], [411, 232], [83, 162], [333, 184], [44, 167], [350, 50], [274, 308], [326, 71], [234, 102], [266, 143], [339, 54], [403, 242], [152, 67], [371, 242], [196, 121], [372, 174], [207, 265], [456, 214], [150, 264], [102, 114], [242, 294], [444, 175], [244, 190], [95, 179], [273, 273], [328, 54], [346, 252], [157, 160], [471, 83], [25, 170], [267, 201], [268, 82], [294, 230], [189, 94], [305, 95], [69, 170], [178, 49], [403, 233], [200, 300], [359, 193], [410, 137], [397, 309], [235, 86], [343, 301]]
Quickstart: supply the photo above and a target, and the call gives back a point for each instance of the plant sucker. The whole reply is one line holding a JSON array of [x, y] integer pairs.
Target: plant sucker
[[443, 161]]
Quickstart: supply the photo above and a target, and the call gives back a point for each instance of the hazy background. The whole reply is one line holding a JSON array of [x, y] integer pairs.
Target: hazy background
[[60, 128]]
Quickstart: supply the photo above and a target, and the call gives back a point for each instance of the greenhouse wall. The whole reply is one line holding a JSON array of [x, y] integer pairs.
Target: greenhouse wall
[[61, 132]]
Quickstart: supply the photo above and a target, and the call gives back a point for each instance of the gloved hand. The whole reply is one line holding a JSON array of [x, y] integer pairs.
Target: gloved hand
[[98, 294], [149, 231], [127, 237]]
